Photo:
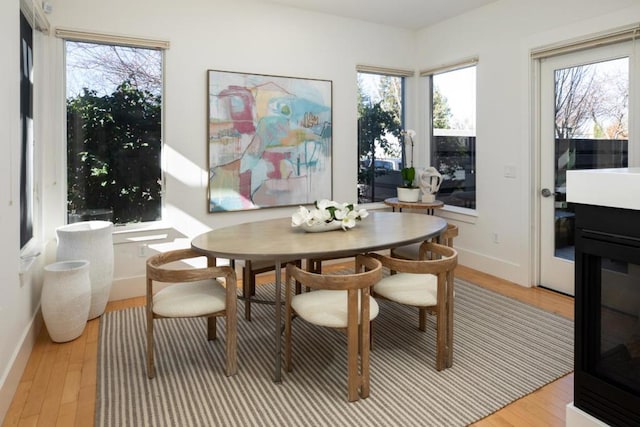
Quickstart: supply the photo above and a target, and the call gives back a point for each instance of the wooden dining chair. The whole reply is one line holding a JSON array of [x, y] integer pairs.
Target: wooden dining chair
[[193, 292], [427, 284], [340, 301], [314, 265], [412, 251]]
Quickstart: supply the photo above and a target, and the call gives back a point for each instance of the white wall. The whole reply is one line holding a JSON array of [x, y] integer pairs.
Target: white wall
[[502, 34], [245, 37], [20, 294], [204, 34]]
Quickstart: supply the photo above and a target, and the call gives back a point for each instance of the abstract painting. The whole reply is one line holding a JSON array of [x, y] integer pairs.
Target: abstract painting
[[270, 141]]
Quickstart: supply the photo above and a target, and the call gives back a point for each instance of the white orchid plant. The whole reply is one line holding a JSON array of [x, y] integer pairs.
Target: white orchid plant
[[326, 211], [408, 173]]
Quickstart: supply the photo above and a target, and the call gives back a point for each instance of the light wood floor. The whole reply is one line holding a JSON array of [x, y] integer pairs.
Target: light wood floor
[[58, 387]]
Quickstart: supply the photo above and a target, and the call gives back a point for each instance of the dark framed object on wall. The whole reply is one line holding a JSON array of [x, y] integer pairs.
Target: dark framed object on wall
[[269, 141], [26, 131]]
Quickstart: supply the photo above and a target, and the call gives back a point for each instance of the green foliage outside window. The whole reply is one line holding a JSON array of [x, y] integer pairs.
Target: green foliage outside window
[[375, 124], [113, 153], [441, 111], [379, 128]]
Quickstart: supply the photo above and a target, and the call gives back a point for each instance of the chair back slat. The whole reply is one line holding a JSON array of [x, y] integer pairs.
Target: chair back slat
[[364, 279], [157, 270]]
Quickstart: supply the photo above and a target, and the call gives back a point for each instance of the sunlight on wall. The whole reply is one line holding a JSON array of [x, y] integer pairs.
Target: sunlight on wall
[[183, 222], [183, 169]]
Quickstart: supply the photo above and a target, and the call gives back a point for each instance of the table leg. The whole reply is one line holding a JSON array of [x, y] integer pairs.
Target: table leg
[[278, 326]]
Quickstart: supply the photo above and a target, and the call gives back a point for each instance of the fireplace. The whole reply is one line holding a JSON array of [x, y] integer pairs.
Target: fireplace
[[607, 308]]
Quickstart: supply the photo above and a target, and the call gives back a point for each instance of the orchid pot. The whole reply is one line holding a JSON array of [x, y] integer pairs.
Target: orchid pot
[[408, 194]]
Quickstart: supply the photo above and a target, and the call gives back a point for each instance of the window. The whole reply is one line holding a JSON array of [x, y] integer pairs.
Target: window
[[26, 124], [453, 136], [380, 122], [114, 130]]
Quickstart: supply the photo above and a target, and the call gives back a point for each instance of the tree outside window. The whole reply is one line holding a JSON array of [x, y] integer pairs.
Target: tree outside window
[[591, 131], [380, 154], [114, 111]]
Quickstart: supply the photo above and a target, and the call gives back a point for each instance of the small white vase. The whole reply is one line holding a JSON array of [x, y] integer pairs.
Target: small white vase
[[93, 241], [66, 298], [408, 194], [323, 226]]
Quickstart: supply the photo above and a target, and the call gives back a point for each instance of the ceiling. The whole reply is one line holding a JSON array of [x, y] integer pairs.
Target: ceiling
[[409, 14]]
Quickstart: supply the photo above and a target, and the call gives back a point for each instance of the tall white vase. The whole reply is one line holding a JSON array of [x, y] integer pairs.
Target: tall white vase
[[66, 298], [93, 241]]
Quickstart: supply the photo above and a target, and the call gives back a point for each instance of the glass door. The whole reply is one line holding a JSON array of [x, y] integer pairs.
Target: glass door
[[584, 124]]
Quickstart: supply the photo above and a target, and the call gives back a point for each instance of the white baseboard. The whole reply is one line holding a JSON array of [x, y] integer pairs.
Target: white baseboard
[[506, 270], [129, 287], [575, 417], [12, 379]]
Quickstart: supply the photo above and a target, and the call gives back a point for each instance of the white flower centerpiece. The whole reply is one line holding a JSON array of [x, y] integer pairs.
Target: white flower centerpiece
[[328, 215]]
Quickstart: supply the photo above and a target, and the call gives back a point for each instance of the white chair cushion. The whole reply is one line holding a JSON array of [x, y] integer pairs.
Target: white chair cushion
[[420, 290], [408, 252], [327, 308], [190, 299]]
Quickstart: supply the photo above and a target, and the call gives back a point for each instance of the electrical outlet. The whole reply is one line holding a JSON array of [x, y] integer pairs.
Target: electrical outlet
[[142, 250], [509, 171]]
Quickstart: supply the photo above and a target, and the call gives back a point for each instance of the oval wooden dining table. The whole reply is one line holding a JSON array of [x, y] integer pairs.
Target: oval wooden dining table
[[277, 240]]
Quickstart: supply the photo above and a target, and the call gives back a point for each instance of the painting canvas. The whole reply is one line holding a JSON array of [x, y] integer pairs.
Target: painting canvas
[[270, 141]]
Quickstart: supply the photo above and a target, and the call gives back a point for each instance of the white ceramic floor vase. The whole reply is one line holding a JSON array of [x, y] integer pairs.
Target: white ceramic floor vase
[[93, 241], [66, 298]]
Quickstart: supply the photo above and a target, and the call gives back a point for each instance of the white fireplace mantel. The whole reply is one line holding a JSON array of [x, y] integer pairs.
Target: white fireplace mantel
[[616, 188]]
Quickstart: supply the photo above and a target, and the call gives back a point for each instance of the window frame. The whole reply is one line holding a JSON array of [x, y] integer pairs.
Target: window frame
[[27, 127], [394, 73], [131, 42], [428, 75]]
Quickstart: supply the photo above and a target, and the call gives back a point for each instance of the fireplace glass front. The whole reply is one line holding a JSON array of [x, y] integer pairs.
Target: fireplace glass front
[[607, 371], [619, 359]]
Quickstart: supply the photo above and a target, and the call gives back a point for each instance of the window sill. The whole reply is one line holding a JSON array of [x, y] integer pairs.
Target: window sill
[[28, 255], [456, 213], [374, 206], [138, 227], [141, 232]]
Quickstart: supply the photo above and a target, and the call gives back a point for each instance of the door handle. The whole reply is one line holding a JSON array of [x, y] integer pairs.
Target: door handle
[[548, 193]]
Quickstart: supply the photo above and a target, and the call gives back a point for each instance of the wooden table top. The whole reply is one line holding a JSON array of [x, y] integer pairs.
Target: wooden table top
[[277, 239]]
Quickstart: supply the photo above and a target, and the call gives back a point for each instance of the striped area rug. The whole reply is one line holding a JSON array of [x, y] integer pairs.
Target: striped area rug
[[504, 350]]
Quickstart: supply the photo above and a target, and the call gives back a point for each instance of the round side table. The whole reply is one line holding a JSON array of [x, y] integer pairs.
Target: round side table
[[429, 206]]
